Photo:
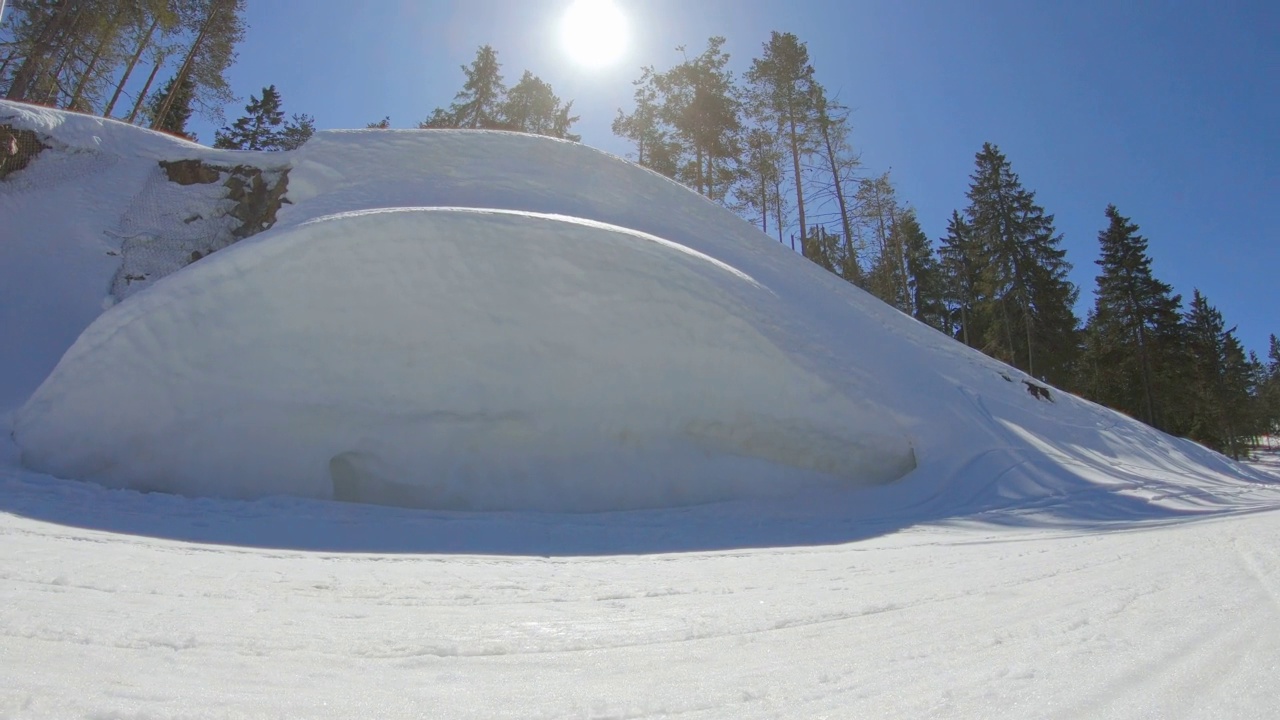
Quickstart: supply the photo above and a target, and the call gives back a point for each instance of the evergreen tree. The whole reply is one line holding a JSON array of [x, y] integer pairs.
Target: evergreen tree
[[782, 97], [878, 215], [151, 19], [655, 149], [924, 276], [383, 124], [532, 107], [214, 28], [1134, 333], [1270, 391], [296, 131], [958, 258], [824, 249], [484, 103], [478, 105], [175, 122], [1024, 297], [62, 53], [1219, 381], [700, 104], [259, 129], [760, 187]]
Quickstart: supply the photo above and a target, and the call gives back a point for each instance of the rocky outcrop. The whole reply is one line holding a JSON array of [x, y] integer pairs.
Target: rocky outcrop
[[18, 148], [220, 205], [190, 172], [257, 193], [257, 196]]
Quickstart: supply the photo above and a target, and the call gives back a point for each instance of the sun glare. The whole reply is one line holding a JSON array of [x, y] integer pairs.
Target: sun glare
[[594, 32]]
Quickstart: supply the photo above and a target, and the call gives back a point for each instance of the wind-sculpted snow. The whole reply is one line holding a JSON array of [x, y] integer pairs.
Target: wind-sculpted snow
[[453, 359], [495, 320]]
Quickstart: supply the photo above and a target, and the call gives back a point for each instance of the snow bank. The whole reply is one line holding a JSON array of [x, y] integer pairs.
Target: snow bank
[[453, 359], [65, 221], [606, 338]]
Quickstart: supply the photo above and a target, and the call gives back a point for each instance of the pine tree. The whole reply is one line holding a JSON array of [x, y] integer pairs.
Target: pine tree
[[383, 124], [296, 131], [1270, 391], [179, 112], [1134, 333], [532, 107], [152, 18], [1024, 295], [758, 187], [924, 276], [782, 97], [478, 105], [824, 249], [259, 129], [655, 149], [877, 216], [1219, 382], [840, 162], [45, 34], [700, 104], [214, 27], [959, 261], [63, 52]]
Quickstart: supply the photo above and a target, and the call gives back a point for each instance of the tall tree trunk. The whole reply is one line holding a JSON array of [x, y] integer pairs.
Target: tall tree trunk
[[777, 205], [7, 59], [107, 38], [35, 60], [764, 204], [795, 162], [128, 69], [142, 95], [900, 255], [1144, 361], [845, 223], [185, 70], [1031, 364], [55, 80]]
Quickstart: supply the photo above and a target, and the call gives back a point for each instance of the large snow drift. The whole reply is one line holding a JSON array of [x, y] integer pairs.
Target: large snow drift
[[452, 359], [589, 335]]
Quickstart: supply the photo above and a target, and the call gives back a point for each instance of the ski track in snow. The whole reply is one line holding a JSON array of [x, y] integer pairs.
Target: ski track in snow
[[971, 618]]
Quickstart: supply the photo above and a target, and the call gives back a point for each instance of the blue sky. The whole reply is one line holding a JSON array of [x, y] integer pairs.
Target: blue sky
[[1168, 109]]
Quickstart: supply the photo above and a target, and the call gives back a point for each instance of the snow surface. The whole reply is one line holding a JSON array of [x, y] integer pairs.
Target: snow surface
[[1043, 559]]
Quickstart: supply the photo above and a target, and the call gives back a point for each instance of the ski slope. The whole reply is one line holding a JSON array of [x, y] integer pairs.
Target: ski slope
[[613, 453]]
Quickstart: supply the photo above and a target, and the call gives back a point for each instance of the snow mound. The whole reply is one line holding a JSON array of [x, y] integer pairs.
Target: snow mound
[[463, 319], [453, 359]]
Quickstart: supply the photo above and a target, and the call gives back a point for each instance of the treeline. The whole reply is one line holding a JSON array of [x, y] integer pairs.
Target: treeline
[[486, 103], [774, 146], [108, 56]]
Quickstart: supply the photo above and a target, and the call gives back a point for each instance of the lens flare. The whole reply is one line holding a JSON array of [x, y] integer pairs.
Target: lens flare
[[594, 32]]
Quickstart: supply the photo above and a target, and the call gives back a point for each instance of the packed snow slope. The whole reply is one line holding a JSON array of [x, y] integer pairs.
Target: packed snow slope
[[496, 321]]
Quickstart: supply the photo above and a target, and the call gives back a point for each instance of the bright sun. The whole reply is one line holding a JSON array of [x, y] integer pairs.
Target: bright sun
[[594, 32]]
